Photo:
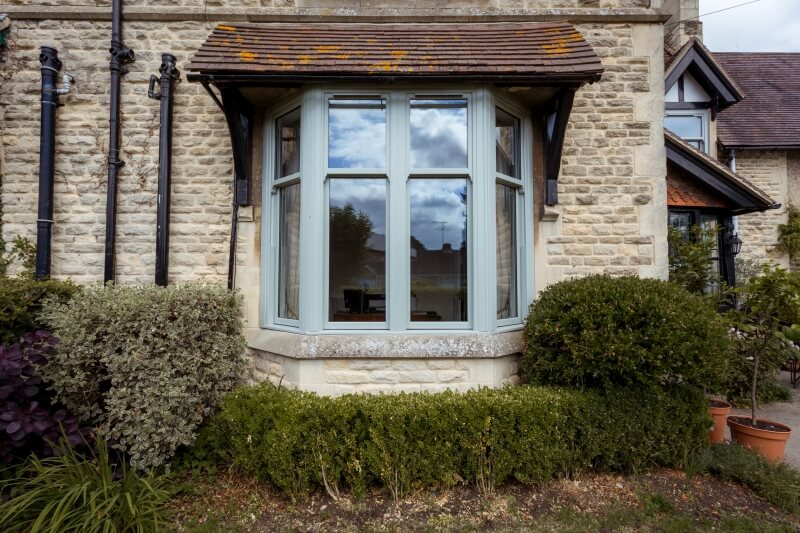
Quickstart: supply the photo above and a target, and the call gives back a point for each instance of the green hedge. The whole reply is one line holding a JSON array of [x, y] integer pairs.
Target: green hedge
[[604, 332], [21, 301], [298, 440]]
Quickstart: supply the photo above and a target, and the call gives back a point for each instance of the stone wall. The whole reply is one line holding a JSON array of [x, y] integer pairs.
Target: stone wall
[[768, 170], [202, 168], [611, 217], [612, 188]]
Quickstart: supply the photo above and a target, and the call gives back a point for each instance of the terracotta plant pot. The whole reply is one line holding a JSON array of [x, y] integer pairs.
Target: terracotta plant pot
[[769, 442], [719, 412]]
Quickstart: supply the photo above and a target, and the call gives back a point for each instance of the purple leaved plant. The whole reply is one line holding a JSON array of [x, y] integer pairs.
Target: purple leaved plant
[[30, 420]]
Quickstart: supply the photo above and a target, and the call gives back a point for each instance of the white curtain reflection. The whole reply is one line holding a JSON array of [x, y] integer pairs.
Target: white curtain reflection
[[506, 207], [289, 253], [288, 131]]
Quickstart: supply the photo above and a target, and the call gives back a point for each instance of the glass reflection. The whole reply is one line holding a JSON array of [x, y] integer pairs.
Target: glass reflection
[[289, 253], [506, 131], [438, 250], [357, 133], [685, 126], [506, 209], [439, 133], [357, 264], [288, 139]]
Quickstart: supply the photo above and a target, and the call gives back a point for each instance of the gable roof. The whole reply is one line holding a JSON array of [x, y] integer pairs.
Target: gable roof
[[771, 118], [697, 59], [740, 194], [527, 52]]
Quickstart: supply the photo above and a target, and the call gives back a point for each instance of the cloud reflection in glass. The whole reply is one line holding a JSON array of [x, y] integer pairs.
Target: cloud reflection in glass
[[356, 133], [438, 133]]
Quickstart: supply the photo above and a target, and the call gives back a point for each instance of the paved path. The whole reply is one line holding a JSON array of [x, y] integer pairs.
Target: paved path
[[786, 413]]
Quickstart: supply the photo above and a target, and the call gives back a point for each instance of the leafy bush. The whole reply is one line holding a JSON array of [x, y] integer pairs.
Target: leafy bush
[[689, 266], [146, 363], [766, 304], [298, 440], [29, 421], [606, 332], [789, 234], [21, 300], [76, 493], [779, 484]]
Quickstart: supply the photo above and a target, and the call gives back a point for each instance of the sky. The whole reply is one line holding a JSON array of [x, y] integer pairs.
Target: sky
[[763, 26]]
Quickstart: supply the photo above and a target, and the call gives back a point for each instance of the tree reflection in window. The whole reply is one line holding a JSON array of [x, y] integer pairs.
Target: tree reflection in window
[[357, 250]]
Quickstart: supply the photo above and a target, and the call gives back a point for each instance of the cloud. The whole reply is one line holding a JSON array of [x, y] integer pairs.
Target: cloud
[[765, 26], [438, 137], [357, 138], [366, 195], [437, 201]]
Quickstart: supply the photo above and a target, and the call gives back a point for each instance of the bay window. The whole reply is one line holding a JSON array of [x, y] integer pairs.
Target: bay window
[[412, 214]]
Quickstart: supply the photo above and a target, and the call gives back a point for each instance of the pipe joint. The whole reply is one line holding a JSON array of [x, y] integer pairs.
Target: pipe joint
[[66, 84]]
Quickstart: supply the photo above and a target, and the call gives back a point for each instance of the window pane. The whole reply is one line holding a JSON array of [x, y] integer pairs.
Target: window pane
[[357, 133], [506, 215], [439, 133], [685, 126], [289, 253], [438, 249], [357, 264], [506, 131], [288, 138]]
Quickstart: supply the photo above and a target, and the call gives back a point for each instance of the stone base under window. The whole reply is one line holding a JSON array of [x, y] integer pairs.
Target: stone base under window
[[341, 364]]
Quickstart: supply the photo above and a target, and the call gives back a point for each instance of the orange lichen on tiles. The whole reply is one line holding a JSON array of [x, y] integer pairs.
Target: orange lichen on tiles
[[342, 56], [557, 48], [383, 66], [226, 28], [247, 56], [399, 54], [328, 49], [283, 47], [304, 59], [239, 39]]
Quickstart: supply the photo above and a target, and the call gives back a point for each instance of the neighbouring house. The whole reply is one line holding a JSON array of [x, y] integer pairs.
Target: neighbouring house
[[388, 185]]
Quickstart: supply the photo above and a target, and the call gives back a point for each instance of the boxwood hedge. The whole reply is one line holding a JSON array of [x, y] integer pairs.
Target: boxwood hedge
[[298, 440]]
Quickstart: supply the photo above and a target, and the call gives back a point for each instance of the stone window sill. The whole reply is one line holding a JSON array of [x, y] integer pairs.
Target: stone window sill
[[412, 345]]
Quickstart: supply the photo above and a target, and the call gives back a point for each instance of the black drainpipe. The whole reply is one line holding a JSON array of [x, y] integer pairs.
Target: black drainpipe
[[120, 56], [169, 75], [51, 66]]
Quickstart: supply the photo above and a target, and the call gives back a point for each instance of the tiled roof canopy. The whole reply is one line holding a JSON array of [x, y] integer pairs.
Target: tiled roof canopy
[[533, 53], [770, 115], [736, 192]]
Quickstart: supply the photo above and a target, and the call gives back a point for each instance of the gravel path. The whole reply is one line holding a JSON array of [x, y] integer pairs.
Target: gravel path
[[786, 413]]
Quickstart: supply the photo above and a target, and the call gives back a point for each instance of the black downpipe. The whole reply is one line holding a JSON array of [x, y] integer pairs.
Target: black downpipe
[[51, 66], [120, 56], [169, 75]]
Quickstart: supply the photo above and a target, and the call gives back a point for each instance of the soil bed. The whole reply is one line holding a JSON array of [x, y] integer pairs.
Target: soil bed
[[662, 500]]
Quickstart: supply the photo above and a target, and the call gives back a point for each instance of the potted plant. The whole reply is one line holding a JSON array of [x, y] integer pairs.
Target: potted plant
[[719, 411], [766, 304]]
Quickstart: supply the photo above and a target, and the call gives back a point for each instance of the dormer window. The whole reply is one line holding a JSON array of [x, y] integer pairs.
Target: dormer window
[[688, 112], [691, 126]]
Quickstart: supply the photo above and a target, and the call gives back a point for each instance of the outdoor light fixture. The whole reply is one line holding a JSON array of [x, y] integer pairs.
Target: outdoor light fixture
[[733, 241], [5, 28]]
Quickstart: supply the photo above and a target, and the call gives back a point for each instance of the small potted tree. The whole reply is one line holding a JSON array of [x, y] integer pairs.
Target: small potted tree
[[767, 303]]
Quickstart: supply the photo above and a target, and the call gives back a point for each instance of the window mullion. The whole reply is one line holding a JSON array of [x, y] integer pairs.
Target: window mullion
[[312, 244], [484, 238], [397, 239]]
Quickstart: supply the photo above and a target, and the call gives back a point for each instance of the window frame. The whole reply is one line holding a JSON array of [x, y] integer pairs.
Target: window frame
[[705, 117], [481, 179]]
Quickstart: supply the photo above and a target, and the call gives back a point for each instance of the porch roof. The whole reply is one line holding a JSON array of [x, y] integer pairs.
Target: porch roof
[[533, 53], [731, 188]]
